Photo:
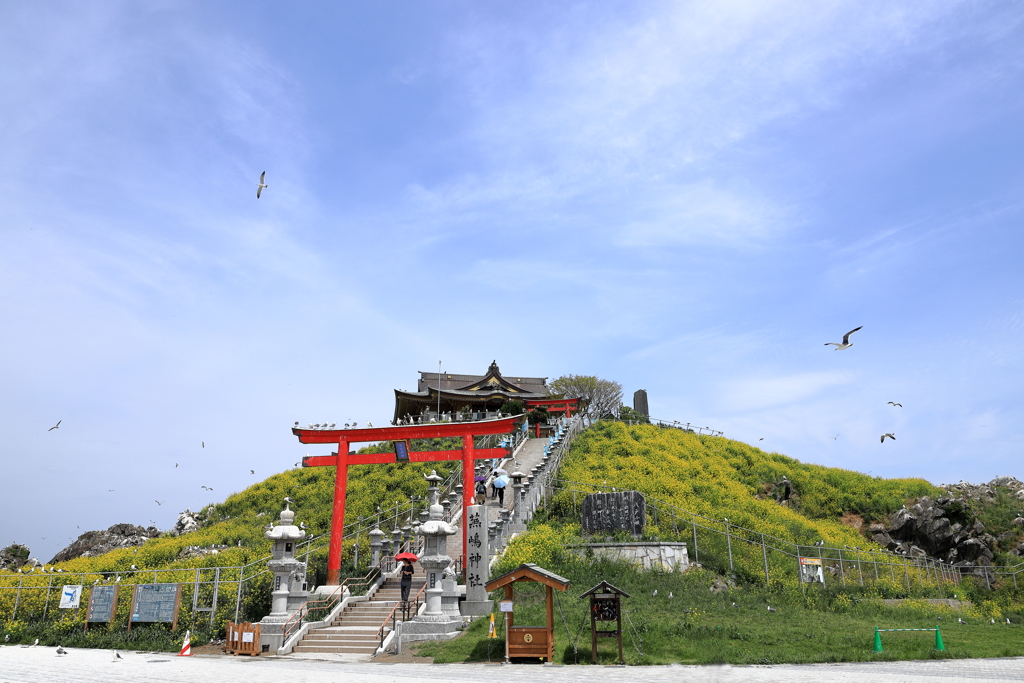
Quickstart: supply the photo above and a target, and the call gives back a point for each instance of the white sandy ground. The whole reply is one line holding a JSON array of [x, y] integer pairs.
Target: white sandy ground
[[42, 665]]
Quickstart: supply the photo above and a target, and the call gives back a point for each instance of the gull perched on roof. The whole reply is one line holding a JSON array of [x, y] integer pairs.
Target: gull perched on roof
[[846, 340]]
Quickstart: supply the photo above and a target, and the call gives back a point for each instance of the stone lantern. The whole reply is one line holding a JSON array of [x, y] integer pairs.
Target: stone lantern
[[433, 623], [518, 500], [289, 583]]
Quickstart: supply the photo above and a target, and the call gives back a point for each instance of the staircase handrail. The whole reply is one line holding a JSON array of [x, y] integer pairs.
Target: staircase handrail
[[391, 615]]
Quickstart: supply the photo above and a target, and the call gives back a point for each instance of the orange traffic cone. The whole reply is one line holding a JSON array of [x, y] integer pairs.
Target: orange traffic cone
[[186, 647]]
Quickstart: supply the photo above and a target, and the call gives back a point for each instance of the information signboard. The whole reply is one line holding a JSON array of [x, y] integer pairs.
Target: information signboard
[[70, 597], [811, 570], [102, 604], [156, 602]]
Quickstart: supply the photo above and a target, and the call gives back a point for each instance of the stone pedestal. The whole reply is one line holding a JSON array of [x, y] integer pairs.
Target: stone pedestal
[[477, 560]]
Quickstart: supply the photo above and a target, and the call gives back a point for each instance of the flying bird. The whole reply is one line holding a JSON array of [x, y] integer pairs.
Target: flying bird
[[203, 444], [846, 340], [110, 490], [252, 471], [761, 439], [259, 188], [159, 502], [297, 464], [175, 464], [835, 437], [55, 426], [206, 487], [887, 434], [896, 405]]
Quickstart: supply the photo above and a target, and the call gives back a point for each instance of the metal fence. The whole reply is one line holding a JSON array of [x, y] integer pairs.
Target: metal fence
[[726, 546]]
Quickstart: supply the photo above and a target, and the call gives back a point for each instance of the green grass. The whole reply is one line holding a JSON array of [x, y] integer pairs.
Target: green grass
[[700, 627]]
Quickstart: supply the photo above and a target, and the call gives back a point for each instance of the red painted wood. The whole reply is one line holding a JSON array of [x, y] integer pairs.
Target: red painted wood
[[338, 514], [431, 430], [414, 456], [344, 437]]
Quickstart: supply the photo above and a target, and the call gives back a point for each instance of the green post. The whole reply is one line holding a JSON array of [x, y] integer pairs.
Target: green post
[[938, 640], [878, 641]]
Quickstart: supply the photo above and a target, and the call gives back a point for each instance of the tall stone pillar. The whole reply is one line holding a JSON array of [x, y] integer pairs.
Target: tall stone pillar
[[375, 545], [477, 573]]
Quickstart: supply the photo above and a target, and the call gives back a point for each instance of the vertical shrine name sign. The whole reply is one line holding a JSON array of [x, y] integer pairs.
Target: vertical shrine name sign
[[102, 604], [156, 602]]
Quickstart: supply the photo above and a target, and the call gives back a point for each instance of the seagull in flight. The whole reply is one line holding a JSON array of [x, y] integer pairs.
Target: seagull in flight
[[888, 434], [203, 444], [895, 405], [259, 188], [252, 471], [160, 502], [846, 340], [55, 426], [835, 437], [206, 487]]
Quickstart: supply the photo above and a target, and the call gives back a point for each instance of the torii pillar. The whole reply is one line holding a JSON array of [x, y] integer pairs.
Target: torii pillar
[[434, 430]]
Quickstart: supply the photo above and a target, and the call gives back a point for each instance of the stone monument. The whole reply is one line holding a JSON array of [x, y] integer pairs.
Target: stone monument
[[477, 561], [289, 584], [433, 623], [640, 402], [611, 512]]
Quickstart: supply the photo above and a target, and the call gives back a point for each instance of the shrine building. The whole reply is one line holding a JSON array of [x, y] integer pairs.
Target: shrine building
[[473, 397]]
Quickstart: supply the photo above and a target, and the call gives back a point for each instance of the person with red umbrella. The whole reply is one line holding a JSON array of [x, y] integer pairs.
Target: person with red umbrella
[[406, 573]]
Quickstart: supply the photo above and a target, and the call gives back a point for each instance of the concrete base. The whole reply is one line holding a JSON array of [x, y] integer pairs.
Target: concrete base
[[436, 628], [476, 608]]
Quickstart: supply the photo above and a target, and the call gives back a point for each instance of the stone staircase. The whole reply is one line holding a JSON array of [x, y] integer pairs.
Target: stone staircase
[[355, 630]]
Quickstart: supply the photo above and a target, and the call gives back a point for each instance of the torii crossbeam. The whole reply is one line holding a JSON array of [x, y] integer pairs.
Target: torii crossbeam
[[434, 430]]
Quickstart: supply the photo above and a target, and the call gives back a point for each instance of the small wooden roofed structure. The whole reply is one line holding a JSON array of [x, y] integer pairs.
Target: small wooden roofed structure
[[605, 606], [530, 641]]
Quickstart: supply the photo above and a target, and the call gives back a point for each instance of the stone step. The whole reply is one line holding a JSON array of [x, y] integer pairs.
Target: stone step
[[338, 649], [357, 639]]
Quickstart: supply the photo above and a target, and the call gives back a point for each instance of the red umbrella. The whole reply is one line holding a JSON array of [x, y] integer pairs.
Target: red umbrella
[[407, 556]]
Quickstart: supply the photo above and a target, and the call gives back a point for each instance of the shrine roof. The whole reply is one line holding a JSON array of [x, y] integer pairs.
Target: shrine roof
[[469, 393], [529, 572], [605, 587], [448, 381]]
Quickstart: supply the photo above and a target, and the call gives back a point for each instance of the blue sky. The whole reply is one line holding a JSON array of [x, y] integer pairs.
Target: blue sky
[[689, 198]]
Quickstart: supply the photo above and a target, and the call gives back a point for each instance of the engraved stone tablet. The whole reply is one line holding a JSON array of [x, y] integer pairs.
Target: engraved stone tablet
[[610, 512]]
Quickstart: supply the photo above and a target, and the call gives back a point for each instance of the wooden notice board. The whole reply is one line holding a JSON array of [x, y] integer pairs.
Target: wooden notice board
[[102, 604], [156, 602]]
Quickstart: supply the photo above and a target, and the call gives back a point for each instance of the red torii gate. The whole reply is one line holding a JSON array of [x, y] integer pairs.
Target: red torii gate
[[342, 459], [556, 404]]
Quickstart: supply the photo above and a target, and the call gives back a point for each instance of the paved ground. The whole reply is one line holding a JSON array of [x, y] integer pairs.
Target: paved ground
[[42, 665]]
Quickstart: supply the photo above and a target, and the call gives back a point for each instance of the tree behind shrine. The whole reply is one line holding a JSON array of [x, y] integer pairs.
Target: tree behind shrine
[[598, 397]]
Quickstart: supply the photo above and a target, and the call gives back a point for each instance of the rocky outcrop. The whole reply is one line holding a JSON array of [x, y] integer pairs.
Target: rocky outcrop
[[14, 556], [940, 529], [946, 528], [93, 543], [188, 522]]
